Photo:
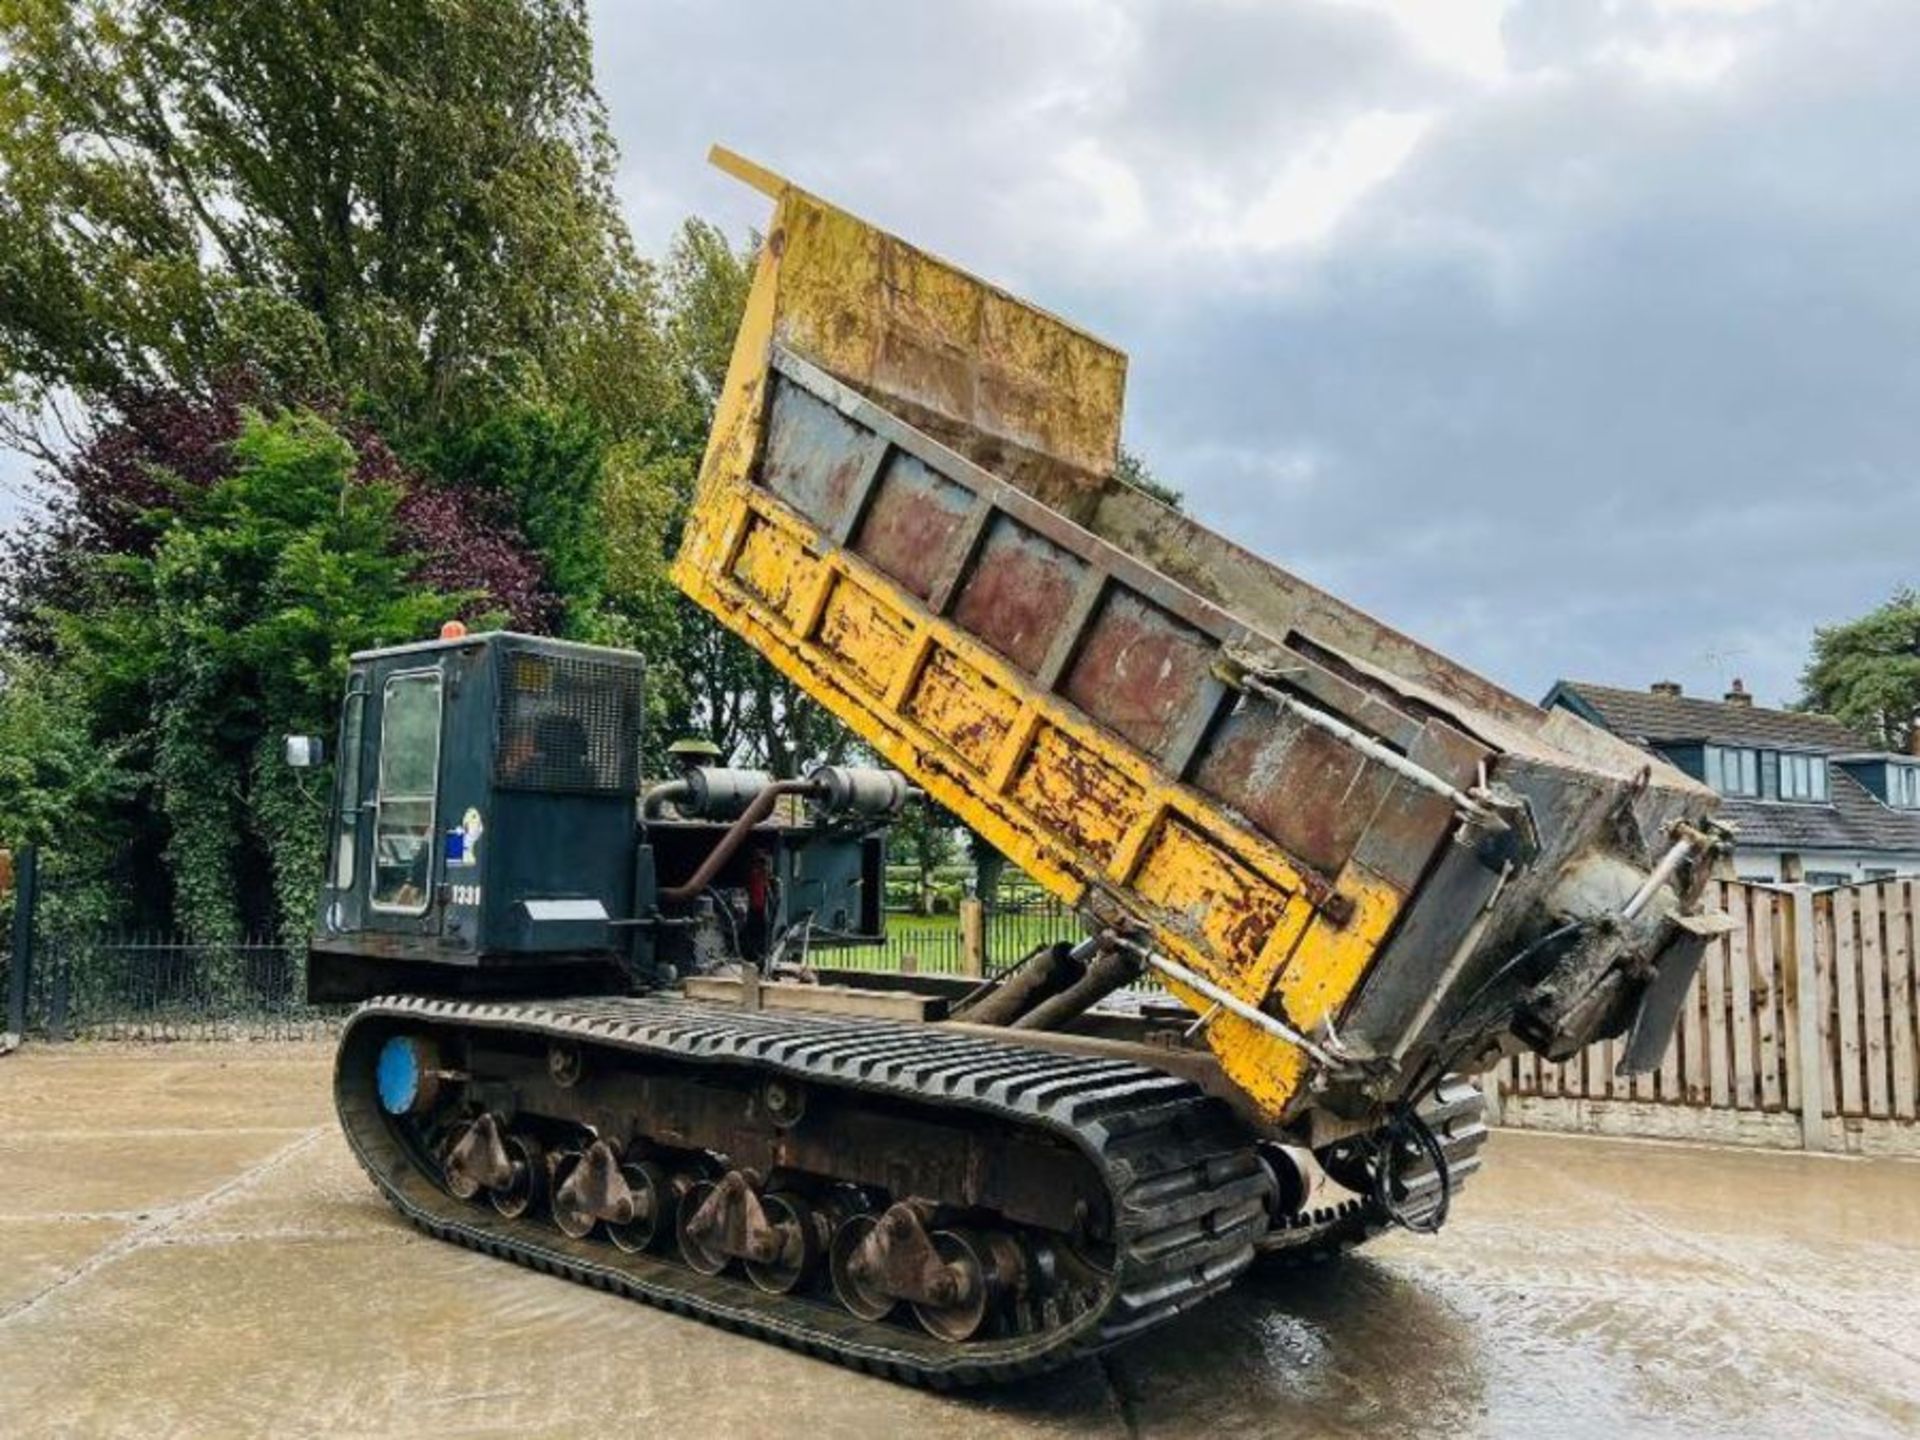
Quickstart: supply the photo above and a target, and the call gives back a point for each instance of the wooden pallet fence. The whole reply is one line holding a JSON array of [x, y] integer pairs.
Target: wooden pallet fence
[[1801, 1029]]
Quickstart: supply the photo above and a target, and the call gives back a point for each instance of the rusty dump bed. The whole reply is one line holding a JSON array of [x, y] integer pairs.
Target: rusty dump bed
[[1380, 860]]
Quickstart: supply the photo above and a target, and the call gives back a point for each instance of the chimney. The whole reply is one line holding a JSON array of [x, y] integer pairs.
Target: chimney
[[1738, 694], [1668, 688]]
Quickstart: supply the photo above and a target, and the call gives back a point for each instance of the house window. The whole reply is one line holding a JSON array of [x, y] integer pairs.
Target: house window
[[1733, 772], [1803, 777], [1903, 787]]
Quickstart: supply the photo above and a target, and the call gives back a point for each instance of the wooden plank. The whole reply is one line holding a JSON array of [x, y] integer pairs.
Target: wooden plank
[[1526, 1079], [1825, 1005], [1766, 996], [1846, 995], [1873, 995], [1787, 978], [1900, 997], [1693, 1036], [1740, 999], [819, 999], [1719, 1035]]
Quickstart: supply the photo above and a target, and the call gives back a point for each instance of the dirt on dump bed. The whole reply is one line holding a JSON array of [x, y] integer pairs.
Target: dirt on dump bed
[[186, 1247]]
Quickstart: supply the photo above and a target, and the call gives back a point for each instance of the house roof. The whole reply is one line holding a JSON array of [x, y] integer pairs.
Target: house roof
[[1852, 819], [1647, 718]]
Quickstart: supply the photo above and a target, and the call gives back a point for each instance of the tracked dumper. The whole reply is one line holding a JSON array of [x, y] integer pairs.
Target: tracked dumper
[[1324, 874]]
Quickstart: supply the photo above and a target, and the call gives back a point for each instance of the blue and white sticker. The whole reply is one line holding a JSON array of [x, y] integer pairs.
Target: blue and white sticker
[[472, 827]]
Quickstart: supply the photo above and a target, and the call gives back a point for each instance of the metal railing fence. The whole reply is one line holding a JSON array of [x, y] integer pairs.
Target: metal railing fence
[[95, 983]]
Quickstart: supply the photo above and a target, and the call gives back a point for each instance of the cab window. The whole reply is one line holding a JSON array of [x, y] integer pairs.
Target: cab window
[[347, 785], [409, 772]]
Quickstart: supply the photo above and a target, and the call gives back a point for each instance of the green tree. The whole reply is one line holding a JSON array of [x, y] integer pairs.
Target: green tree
[[52, 772], [1867, 672], [234, 632], [541, 467], [925, 835], [707, 680], [409, 200]]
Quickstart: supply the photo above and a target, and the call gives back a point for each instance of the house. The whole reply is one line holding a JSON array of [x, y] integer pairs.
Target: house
[[1812, 801]]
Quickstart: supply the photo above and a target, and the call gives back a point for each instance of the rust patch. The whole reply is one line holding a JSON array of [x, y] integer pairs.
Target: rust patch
[[1210, 896], [1018, 591], [911, 522], [1071, 790], [1139, 670], [772, 565], [1310, 794], [862, 631], [956, 702]]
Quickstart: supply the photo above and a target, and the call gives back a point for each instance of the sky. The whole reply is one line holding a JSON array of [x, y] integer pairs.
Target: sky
[[1575, 338]]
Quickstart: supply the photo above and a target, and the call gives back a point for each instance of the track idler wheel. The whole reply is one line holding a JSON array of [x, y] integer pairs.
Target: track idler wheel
[[957, 1281], [592, 1189]]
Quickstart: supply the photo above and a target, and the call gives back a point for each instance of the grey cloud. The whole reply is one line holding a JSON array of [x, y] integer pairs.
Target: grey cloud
[[1613, 378]]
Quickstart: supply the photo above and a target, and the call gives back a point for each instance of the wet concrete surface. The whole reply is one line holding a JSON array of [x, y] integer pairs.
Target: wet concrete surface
[[187, 1248]]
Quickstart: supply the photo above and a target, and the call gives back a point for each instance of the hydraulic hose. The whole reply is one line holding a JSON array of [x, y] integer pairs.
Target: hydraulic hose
[[1407, 1130]]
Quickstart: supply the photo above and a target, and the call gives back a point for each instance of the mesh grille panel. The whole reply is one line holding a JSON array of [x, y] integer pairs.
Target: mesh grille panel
[[568, 723]]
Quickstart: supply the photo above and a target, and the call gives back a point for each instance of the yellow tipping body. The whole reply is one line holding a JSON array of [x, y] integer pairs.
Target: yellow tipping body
[[1072, 803]]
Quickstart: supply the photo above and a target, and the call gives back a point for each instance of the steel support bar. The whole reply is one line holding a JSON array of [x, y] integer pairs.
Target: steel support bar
[[1226, 1000], [1471, 807]]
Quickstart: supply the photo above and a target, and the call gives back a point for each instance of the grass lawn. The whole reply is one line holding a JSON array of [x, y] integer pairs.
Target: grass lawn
[[934, 940]]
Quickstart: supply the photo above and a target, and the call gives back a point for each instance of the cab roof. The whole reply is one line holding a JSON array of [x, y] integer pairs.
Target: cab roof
[[489, 637]]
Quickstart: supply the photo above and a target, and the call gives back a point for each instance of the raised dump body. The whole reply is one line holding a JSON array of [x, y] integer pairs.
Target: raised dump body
[[1363, 863]]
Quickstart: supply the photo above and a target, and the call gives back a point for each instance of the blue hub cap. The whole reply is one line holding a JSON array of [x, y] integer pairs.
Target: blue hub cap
[[398, 1073]]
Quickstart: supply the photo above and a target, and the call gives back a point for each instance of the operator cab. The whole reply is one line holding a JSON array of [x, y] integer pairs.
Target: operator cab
[[487, 837], [482, 811]]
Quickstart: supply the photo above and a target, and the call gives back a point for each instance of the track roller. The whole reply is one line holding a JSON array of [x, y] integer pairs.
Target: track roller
[[510, 1168], [800, 1245], [778, 1236], [592, 1188], [957, 1281], [526, 1183], [656, 1198]]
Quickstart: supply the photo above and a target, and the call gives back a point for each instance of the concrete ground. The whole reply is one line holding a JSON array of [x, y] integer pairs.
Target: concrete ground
[[186, 1248]]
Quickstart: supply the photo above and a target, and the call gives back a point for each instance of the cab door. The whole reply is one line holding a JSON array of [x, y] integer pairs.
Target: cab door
[[401, 869], [343, 904]]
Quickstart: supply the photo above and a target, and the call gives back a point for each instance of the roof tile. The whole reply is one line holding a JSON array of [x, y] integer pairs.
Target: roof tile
[[1642, 716]]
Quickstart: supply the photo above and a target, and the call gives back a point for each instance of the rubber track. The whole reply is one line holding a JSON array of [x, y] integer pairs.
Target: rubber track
[[1457, 1113], [1186, 1190]]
